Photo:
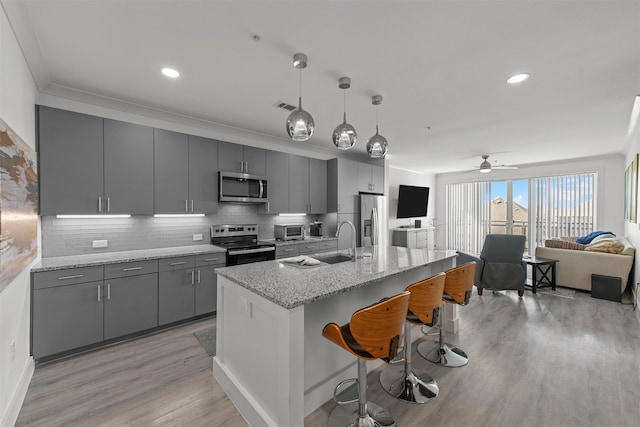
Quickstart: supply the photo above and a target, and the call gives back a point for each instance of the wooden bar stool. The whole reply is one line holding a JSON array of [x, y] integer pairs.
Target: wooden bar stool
[[457, 290], [402, 381], [373, 333]]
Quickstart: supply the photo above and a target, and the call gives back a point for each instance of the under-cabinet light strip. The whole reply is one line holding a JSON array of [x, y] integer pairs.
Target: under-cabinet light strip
[[292, 214], [177, 215], [93, 216]]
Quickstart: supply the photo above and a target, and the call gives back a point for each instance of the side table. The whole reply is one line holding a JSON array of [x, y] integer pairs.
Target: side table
[[543, 272]]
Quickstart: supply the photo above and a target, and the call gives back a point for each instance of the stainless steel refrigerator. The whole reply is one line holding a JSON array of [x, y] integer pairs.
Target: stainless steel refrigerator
[[373, 228]]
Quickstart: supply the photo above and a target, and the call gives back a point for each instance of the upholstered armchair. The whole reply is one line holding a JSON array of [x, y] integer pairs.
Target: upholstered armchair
[[500, 265]]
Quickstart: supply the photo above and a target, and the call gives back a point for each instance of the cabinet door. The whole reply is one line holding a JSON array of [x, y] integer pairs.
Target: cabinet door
[[66, 317], [348, 186], [278, 182], [298, 184], [130, 305], [203, 175], [230, 157], [171, 168], [128, 168], [175, 295], [317, 186], [288, 250], [70, 161], [364, 177], [206, 290], [255, 160], [377, 179]]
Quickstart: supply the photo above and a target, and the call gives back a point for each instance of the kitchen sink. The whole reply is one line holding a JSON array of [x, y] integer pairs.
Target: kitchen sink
[[335, 259]]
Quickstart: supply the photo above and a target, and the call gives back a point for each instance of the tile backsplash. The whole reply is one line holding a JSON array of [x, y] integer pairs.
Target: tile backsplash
[[62, 237]]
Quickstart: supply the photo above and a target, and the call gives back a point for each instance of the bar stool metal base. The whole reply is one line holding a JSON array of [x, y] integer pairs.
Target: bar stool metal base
[[444, 355], [416, 386], [347, 415]]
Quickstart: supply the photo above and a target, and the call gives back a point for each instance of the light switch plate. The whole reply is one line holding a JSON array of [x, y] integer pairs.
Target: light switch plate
[[197, 237], [100, 244]]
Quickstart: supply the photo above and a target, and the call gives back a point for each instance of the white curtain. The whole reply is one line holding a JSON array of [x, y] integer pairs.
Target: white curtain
[[468, 215]]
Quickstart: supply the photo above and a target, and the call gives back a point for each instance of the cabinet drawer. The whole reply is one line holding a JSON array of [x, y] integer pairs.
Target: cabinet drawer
[[217, 259], [309, 248], [126, 269], [70, 276], [329, 245], [286, 251], [177, 263]]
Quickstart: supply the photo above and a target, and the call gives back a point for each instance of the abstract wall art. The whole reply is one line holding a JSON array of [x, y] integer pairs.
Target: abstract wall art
[[18, 205]]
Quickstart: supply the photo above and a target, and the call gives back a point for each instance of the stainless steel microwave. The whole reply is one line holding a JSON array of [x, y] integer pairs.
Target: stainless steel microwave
[[243, 188]]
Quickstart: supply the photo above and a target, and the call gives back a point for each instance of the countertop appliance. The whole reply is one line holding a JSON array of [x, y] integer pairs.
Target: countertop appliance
[[315, 229], [289, 231], [242, 187], [373, 220], [242, 244]]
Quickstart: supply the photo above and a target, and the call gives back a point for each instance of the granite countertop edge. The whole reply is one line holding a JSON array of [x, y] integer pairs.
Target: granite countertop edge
[[105, 258]]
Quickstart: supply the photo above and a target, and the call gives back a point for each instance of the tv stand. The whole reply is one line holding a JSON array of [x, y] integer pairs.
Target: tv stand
[[415, 238]]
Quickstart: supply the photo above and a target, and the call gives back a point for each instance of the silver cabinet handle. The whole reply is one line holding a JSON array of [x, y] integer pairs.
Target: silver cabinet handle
[[178, 263], [108, 291], [193, 277], [198, 276], [77, 276], [186, 205], [99, 203], [132, 269], [108, 204], [99, 292], [338, 207], [191, 205], [211, 259]]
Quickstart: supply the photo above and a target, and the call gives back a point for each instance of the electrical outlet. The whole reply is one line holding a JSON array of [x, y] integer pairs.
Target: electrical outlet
[[197, 237], [100, 244], [12, 351], [245, 306]]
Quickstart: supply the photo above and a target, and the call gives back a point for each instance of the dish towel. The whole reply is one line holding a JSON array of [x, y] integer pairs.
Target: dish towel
[[301, 260]]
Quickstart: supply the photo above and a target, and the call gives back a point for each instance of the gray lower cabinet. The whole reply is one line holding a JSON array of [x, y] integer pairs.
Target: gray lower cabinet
[[305, 247], [66, 317], [206, 289], [288, 250], [131, 305]]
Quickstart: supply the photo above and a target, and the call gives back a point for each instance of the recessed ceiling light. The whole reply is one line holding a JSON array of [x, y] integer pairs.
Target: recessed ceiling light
[[170, 72], [517, 78]]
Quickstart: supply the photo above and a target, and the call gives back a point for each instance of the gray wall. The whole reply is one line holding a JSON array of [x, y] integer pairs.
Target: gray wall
[[61, 237]]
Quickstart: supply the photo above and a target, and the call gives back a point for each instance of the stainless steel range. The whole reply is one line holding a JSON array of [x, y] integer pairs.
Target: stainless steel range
[[242, 244]]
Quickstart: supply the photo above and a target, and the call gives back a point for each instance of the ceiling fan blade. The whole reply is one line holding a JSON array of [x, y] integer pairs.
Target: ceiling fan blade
[[505, 167]]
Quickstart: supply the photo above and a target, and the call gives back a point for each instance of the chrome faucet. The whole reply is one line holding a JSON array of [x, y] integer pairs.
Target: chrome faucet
[[353, 229]]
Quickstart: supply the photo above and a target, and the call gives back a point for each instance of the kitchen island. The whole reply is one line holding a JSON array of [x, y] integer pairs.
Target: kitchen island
[[271, 358]]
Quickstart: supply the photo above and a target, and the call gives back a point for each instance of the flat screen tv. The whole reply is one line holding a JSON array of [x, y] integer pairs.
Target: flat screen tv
[[412, 201]]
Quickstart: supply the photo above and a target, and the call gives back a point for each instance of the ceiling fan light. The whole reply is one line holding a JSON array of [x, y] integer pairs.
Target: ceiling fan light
[[300, 124], [485, 167]]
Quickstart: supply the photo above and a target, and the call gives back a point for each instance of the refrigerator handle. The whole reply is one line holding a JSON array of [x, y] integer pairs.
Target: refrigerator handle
[[374, 225]]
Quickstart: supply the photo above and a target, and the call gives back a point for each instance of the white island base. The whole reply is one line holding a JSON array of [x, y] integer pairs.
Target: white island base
[[273, 362]]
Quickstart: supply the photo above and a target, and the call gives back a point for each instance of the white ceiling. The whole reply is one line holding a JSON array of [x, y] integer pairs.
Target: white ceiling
[[438, 64]]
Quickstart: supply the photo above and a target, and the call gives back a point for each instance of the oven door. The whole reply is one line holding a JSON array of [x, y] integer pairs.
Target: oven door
[[246, 256]]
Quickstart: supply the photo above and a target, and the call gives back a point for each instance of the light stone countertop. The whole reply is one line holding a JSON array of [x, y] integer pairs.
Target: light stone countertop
[[290, 286], [75, 261]]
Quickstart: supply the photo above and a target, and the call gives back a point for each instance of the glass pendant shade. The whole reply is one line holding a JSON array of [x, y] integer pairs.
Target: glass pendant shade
[[300, 124], [344, 135], [377, 146]]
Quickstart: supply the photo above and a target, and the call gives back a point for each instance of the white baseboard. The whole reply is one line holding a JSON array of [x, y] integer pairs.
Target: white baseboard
[[15, 404]]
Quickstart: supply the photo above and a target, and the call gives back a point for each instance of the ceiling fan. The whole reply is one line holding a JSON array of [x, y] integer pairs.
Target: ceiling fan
[[486, 167]]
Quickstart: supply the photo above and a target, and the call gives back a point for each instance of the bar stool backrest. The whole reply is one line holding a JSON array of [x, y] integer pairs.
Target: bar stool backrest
[[426, 299], [459, 283]]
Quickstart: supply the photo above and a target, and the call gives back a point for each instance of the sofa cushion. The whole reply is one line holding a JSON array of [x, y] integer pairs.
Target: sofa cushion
[[563, 244]]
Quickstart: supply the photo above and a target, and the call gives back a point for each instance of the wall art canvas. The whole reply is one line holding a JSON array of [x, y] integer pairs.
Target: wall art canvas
[[18, 205], [631, 191]]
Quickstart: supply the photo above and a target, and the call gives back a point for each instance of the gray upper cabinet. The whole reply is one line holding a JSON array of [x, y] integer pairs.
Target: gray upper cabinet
[[70, 158], [278, 183], [203, 175], [90, 165], [171, 166], [128, 168], [370, 178], [298, 184], [241, 158], [342, 186], [317, 186]]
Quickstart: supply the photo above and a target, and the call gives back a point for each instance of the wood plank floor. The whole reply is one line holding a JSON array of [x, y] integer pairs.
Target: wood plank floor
[[541, 360]]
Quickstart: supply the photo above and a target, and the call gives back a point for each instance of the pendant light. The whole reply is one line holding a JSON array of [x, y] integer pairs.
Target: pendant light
[[377, 145], [344, 135], [300, 124]]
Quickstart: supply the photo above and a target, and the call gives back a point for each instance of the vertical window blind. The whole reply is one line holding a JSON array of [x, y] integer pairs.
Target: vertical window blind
[[468, 210], [563, 206]]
